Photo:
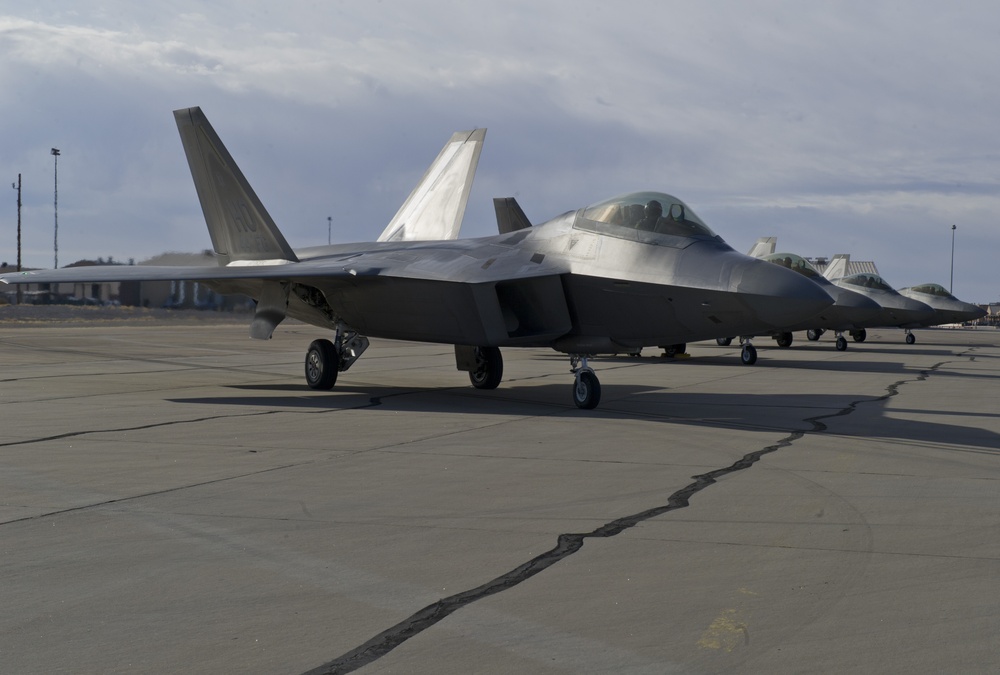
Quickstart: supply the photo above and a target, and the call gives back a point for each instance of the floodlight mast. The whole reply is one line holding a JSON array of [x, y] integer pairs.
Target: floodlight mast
[[18, 188], [951, 282], [55, 203]]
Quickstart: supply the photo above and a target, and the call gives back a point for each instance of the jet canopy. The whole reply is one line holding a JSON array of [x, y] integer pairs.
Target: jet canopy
[[933, 289], [648, 217], [865, 280], [796, 263]]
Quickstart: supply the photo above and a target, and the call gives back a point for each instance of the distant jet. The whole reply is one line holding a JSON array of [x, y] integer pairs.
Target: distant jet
[[947, 308], [897, 310], [637, 270], [849, 310]]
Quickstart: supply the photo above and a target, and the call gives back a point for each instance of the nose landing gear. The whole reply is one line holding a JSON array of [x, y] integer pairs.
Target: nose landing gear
[[586, 387]]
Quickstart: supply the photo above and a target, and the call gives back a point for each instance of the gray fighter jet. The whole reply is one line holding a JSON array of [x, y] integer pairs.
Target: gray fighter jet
[[637, 270], [947, 308], [850, 311], [897, 310]]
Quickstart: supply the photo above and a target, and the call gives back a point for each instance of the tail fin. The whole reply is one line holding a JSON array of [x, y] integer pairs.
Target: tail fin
[[838, 266], [240, 226], [510, 217], [435, 208], [765, 246]]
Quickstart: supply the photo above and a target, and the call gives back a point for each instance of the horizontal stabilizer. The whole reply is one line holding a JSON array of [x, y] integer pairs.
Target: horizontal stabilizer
[[510, 217], [436, 207]]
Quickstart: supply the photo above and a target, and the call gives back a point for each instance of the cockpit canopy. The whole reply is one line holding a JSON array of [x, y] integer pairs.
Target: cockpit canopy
[[795, 263], [933, 289], [869, 281], [648, 217]]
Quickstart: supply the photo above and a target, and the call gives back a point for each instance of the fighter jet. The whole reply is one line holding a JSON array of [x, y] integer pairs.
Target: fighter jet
[[897, 310], [636, 270], [849, 312], [947, 308]]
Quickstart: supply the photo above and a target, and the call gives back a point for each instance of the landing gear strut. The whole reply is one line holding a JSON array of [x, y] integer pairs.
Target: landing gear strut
[[586, 388]]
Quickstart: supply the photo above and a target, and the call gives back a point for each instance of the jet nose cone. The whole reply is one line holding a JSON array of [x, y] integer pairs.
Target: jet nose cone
[[779, 297], [972, 312]]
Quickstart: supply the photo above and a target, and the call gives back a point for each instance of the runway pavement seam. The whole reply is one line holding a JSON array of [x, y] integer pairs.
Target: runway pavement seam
[[569, 543], [154, 493]]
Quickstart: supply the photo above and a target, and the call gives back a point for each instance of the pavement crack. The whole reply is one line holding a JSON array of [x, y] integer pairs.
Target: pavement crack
[[569, 543]]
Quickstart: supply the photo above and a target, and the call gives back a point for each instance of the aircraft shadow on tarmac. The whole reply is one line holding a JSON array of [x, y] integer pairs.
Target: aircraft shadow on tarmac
[[844, 415]]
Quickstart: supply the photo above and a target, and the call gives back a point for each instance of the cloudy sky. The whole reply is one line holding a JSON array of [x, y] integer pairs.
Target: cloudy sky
[[866, 127]]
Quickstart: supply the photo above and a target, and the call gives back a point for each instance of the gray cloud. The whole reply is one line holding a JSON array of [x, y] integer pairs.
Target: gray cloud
[[839, 127]]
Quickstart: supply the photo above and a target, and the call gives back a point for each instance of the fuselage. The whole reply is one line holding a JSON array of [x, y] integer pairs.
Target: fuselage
[[587, 281], [947, 308], [896, 310]]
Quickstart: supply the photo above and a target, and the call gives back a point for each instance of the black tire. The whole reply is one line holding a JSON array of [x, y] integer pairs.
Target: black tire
[[748, 355], [724, 342], [910, 338], [784, 340], [489, 368], [322, 365], [859, 335], [587, 391], [813, 334], [841, 344], [674, 350]]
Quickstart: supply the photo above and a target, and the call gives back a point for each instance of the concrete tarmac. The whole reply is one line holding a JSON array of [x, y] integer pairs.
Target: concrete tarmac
[[173, 498]]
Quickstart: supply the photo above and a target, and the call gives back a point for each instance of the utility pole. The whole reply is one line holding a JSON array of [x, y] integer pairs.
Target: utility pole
[[55, 201], [951, 283], [18, 188], [329, 229]]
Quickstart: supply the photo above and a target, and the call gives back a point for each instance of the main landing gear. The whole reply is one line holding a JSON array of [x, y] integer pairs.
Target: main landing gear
[[485, 368], [326, 359], [488, 370], [910, 337]]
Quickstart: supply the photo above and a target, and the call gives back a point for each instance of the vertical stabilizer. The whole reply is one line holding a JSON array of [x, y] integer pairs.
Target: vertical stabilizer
[[837, 268], [240, 226], [765, 246], [510, 217], [435, 208]]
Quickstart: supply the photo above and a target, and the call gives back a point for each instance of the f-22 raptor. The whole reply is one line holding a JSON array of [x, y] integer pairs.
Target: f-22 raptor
[[637, 270]]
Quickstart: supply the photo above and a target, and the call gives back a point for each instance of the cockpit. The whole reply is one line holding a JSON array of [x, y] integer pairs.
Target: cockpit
[[795, 263], [648, 217], [933, 289], [872, 281]]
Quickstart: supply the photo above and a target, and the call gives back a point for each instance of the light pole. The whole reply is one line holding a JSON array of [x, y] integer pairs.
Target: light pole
[[329, 229], [55, 202], [951, 283], [18, 188]]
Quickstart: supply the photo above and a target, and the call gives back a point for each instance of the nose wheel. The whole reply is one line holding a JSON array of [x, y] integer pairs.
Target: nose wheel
[[748, 354], [586, 387]]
